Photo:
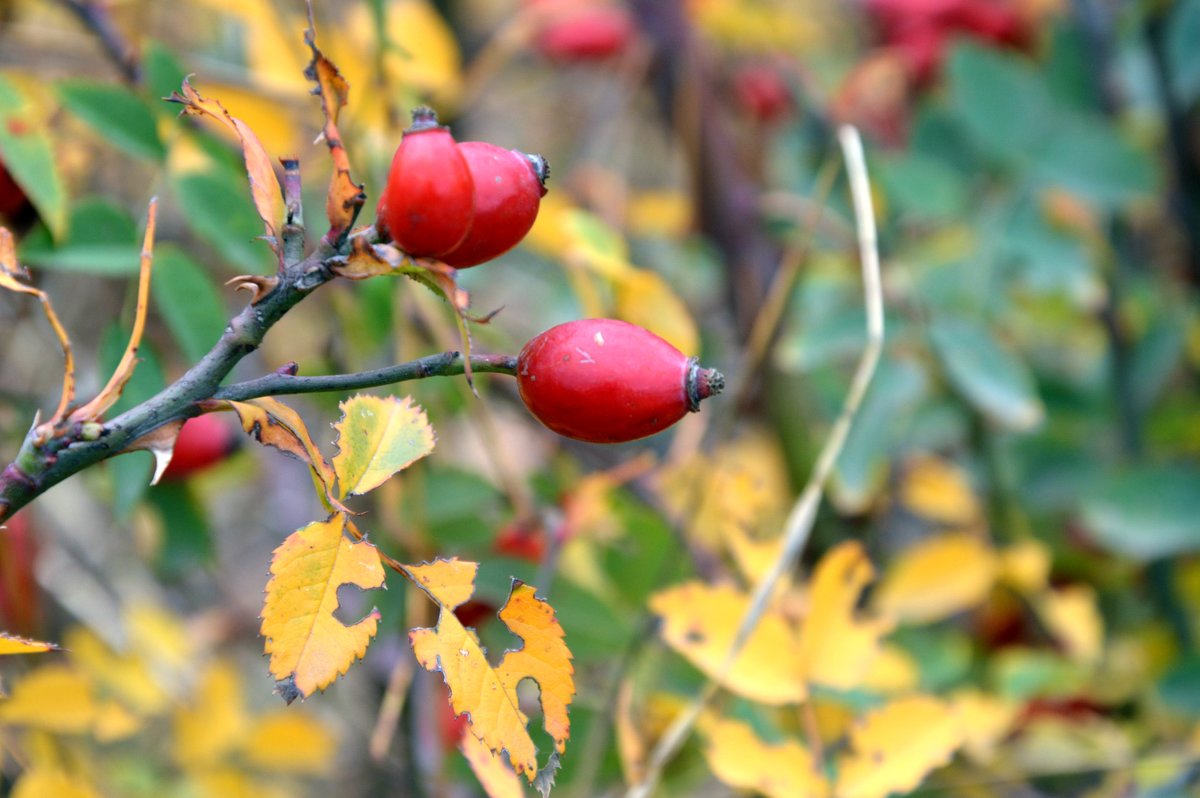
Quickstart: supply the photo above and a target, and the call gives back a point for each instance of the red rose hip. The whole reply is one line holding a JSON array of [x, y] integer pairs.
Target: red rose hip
[[429, 201], [588, 32], [608, 381], [203, 441], [509, 186]]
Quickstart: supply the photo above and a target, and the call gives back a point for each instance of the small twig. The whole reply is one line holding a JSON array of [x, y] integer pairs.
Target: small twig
[[445, 364], [293, 220], [95, 16], [800, 521]]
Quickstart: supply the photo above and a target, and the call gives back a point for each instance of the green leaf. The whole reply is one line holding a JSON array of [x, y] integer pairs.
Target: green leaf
[[377, 437], [117, 114], [188, 301], [219, 210], [1089, 157], [1001, 101], [924, 187], [987, 373], [102, 240], [187, 540], [28, 153], [1179, 688], [1146, 512], [1183, 56], [162, 74]]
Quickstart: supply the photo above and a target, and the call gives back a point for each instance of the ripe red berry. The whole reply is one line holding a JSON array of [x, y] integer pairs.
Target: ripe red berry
[[12, 197], [762, 92], [203, 441], [592, 32], [607, 381], [509, 186], [429, 201], [521, 540]]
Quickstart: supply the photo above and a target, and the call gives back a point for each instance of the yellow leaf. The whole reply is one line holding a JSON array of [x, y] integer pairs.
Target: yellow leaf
[[895, 746], [699, 621], [986, 720], [308, 646], [114, 722], [938, 490], [47, 783], [159, 635], [487, 694], [836, 646], [211, 725], [647, 300], [938, 577], [229, 782], [55, 698], [631, 743], [893, 671], [1025, 566], [760, 26], [127, 676], [11, 644], [495, 776], [378, 437], [660, 213], [740, 759], [424, 54], [273, 119], [550, 235], [1071, 615], [290, 742]]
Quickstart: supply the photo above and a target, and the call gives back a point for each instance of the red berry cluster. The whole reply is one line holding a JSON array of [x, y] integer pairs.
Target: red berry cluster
[[462, 203]]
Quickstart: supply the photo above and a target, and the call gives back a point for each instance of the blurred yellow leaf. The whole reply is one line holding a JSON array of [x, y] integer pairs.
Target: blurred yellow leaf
[[114, 722], [211, 724], [127, 676], [893, 671], [1025, 566], [289, 742], [740, 759], [551, 235], [631, 743], [274, 120], [939, 491], [487, 694], [595, 244], [699, 621], [495, 776], [758, 25], [54, 698], [11, 644], [1073, 618], [308, 646], [378, 437], [895, 746], [986, 720], [938, 577], [46, 783], [229, 782], [836, 645], [647, 300], [659, 213], [159, 635]]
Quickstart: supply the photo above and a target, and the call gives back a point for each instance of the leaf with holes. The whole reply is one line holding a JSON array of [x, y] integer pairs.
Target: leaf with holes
[[489, 695], [378, 437], [307, 645]]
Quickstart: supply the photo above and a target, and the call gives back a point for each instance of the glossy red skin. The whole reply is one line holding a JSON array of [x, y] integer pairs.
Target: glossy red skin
[[19, 602], [588, 34], [603, 381], [507, 196], [204, 441], [429, 201], [12, 197], [762, 92]]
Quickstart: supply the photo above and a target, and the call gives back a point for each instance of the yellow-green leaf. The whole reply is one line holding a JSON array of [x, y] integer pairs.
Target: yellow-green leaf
[[308, 646], [378, 437], [489, 695], [740, 759], [894, 747], [700, 621], [43, 782], [938, 577]]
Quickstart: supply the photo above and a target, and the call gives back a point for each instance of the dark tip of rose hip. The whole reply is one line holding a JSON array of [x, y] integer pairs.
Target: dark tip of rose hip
[[423, 118], [702, 383], [541, 167]]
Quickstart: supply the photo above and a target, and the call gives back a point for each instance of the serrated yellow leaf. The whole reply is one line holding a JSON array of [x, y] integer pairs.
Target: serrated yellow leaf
[[47, 783], [1073, 618], [488, 695], [985, 719], [897, 745], [644, 298], [55, 698], [495, 776], [11, 644], [740, 759], [836, 645], [939, 491], [308, 646], [213, 720], [378, 437], [1025, 566], [290, 743], [699, 621], [938, 577], [127, 676]]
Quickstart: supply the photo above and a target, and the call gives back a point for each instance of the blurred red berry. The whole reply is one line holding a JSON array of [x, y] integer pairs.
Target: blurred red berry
[[203, 441], [585, 32], [521, 540], [19, 603], [762, 92]]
